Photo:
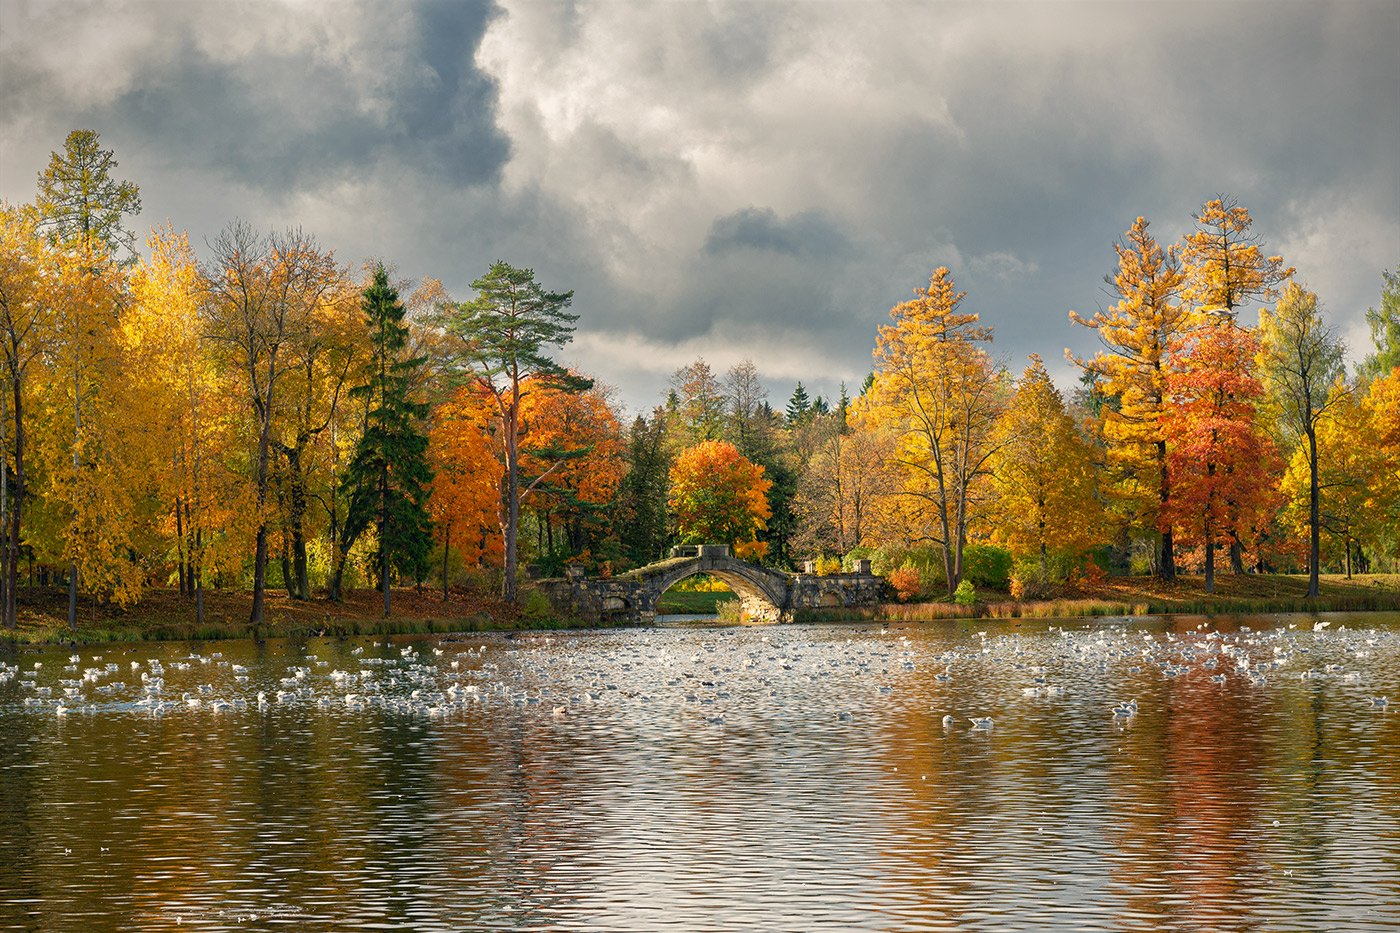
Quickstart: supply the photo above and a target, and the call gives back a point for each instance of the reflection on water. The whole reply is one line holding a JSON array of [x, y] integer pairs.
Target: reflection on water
[[786, 778]]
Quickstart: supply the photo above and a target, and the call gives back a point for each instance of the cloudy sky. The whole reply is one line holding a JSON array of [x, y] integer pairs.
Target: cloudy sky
[[739, 180]]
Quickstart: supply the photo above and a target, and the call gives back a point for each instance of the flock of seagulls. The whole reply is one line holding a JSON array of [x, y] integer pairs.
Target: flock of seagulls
[[717, 673]]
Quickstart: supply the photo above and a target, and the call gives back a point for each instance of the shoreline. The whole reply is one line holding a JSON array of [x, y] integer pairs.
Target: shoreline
[[167, 616]]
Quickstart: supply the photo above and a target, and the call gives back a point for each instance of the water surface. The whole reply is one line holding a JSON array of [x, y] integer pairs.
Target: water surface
[[770, 778]]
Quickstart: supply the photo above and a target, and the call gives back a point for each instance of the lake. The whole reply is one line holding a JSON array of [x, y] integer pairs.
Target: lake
[[1150, 774]]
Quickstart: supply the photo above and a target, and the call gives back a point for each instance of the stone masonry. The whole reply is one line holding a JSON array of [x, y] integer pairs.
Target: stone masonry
[[766, 595]]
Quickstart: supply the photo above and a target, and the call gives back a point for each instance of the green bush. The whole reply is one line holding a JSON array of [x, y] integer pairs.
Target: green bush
[[535, 607], [965, 595], [987, 565]]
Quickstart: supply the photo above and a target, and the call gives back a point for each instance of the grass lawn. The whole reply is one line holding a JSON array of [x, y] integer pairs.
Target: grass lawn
[[1115, 596], [689, 602]]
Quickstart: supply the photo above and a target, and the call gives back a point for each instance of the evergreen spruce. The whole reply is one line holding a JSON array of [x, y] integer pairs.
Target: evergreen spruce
[[798, 406], [388, 477]]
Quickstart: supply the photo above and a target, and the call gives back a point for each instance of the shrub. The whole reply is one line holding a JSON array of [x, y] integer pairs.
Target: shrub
[[826, 566], [535, 607], [906, 582], [965, 595], [987, 565]]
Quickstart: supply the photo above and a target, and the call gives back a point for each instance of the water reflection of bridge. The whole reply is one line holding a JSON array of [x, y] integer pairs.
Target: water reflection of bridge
[[766, 594]]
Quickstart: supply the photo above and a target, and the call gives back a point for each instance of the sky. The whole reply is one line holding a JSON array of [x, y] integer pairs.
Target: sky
[[750, 180]]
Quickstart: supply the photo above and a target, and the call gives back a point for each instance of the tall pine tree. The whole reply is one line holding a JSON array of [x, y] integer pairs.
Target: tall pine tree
[[388, 478]]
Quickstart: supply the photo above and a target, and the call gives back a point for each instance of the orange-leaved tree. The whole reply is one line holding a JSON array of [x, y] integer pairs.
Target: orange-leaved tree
[[573, 439], [465, 502], [1137, 334], [718, 496], [1221, 461]]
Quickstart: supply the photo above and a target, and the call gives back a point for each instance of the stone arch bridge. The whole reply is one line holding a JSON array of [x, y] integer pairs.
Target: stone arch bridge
[[766, 595]]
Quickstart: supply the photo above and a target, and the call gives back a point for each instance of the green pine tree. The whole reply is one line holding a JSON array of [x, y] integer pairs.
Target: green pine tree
[[798, 406], [388, 477]]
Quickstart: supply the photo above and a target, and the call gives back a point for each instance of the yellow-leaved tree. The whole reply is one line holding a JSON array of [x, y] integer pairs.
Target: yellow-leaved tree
[[26, 328], [1043, 473], [1358, 481], [939, 393], [1224, 260], [86, 441], [187, 424], [1131, 373]]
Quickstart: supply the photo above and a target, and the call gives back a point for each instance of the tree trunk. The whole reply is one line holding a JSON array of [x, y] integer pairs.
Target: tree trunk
[[1314, 520], [383, 538], [1166, 564], [512, 505], [197, 572], [21, 492], [446, 550], [298, 584], [6, 581], [1210, 564], [1236, 556]]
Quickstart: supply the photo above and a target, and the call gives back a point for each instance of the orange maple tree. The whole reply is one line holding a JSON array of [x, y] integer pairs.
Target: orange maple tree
[[574, 441], [1220, 460], [718, 495], [465, 502]]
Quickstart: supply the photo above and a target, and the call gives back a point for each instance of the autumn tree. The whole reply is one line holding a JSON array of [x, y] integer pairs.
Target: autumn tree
[[575, 439], [1043, 475], [1137, 333], [1221, 462], [502, 336], [26, 326], [86, 463], [717, 495], [1357, 486], [185, 435], [82, 206], [388, 478], [1301, 362], [322, 354], [940, 393], [1224, 260], [1382, 406], [264, 290], [80, 201], [696, 404], [465, 500]]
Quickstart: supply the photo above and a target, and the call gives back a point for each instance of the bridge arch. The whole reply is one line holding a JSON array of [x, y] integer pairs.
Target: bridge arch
[[763, 594]]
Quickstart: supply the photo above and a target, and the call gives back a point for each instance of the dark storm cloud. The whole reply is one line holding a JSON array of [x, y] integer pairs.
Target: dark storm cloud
[[282, 119], [807, 234], [759, 179]]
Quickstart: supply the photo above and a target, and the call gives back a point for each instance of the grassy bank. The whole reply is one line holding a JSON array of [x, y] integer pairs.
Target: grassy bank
[[165, 615], [1127, 596], [689, 602]]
